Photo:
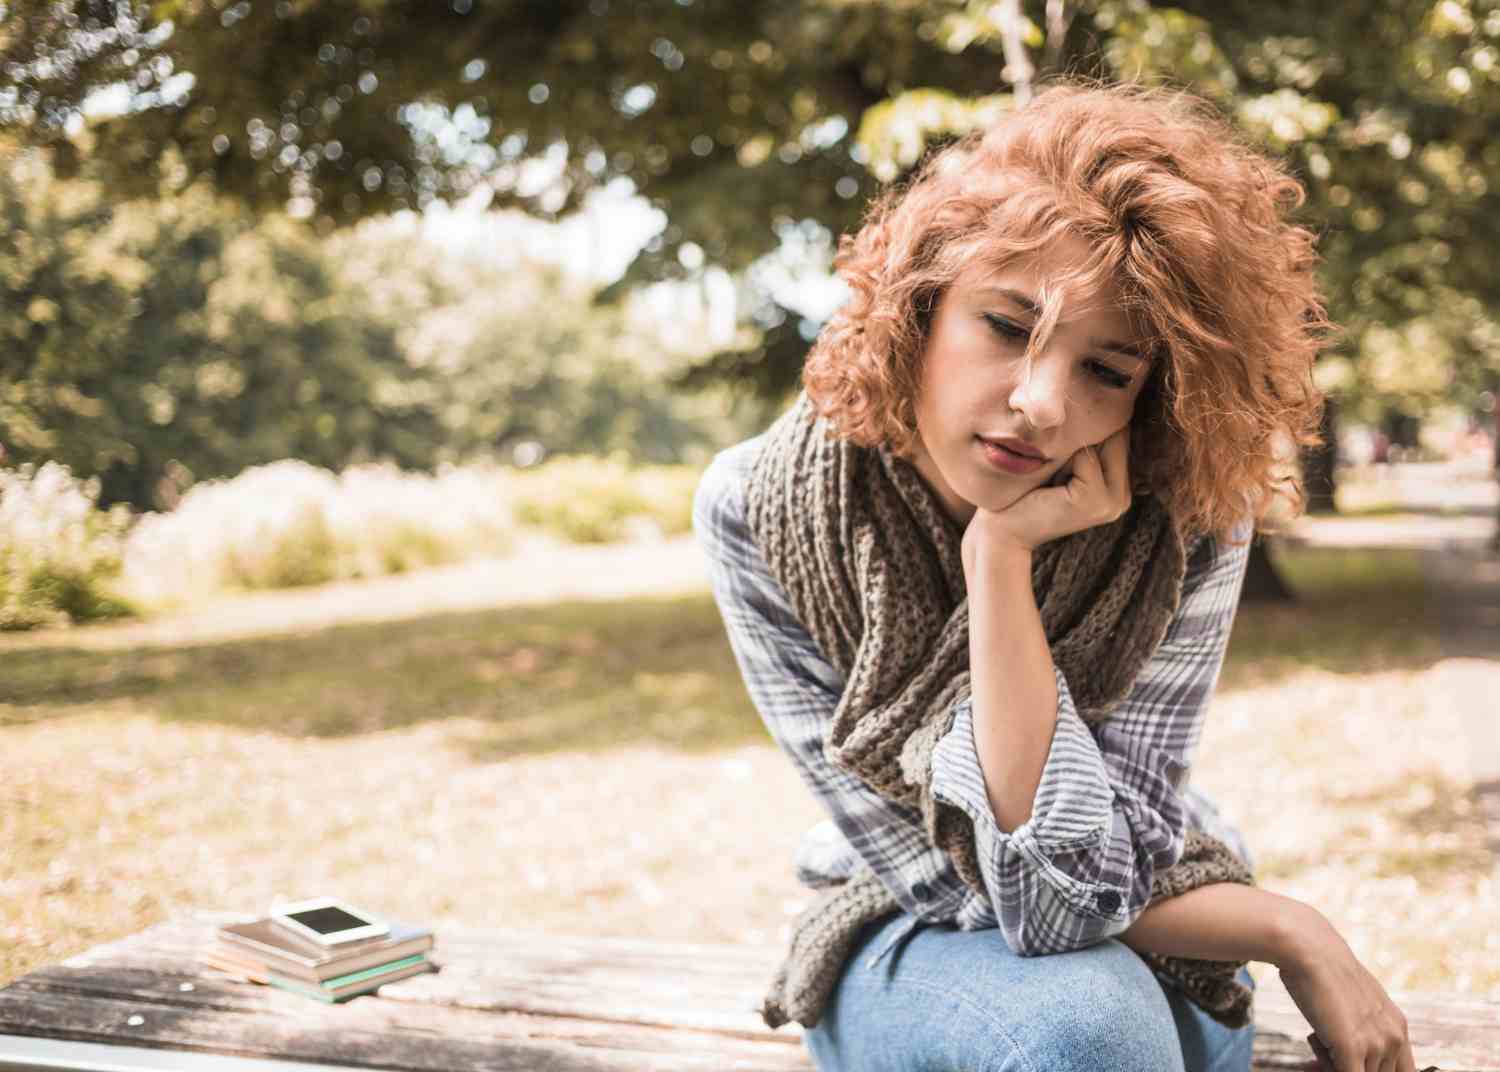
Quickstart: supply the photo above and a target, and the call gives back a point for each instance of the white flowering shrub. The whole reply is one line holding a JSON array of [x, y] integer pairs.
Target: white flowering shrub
[[289, 523], [59, 553]]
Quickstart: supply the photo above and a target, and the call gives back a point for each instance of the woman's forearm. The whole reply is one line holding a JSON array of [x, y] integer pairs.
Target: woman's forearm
[[1014, 691], [1223, 921], [1012, 684]]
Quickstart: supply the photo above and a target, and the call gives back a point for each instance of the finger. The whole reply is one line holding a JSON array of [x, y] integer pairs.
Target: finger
[[1115, 459], [1391, 1057], [1086, 464], [1405, 1060], [1341, 1060], [1087, 481]]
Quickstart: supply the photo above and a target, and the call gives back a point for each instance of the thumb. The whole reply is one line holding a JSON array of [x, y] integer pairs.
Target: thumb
[[1323, 1060]]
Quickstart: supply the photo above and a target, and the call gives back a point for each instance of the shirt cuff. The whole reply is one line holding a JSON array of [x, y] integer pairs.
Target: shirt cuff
[[1072, 813]]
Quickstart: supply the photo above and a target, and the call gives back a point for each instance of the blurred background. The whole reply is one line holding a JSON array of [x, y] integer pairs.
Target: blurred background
[[360, 360]]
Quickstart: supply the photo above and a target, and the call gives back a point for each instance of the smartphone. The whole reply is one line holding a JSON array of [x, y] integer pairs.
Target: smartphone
[[328, 921]]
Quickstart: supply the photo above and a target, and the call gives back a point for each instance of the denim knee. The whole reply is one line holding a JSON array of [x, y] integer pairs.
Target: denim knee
[[950, 1000], [1120, 1029]]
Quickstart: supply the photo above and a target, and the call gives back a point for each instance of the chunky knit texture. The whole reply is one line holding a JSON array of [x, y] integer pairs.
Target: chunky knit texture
[[872, 565]]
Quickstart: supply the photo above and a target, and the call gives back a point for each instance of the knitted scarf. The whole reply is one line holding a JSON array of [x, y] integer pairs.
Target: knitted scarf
[[872, 565]]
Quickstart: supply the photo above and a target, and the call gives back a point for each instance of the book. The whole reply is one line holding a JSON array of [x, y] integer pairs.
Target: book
[[243, 968], [335, 989], [280, 951], [358, 983]]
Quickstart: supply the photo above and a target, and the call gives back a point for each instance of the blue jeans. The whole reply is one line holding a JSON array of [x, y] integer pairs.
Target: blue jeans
[[940, 999]]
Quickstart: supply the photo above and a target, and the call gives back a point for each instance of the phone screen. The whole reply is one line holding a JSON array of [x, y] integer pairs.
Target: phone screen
[[328, 920]]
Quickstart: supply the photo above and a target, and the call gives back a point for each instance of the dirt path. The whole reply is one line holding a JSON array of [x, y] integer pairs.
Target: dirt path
[[1464, 585]]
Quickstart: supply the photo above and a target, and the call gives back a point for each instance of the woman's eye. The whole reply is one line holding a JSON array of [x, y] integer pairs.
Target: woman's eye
[[1006, 328], [1108, 376]]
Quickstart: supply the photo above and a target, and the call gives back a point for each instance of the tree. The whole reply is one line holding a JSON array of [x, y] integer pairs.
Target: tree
[[159, 340], [734, 115], [738, 116], [503, 353]]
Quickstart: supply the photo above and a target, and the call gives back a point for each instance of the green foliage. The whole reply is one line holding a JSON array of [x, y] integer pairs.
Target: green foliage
[[502, 354], [351, 111], [158, 341], [735, 118], [896, 133], [1385, 109], [593, 500], [302, 553]]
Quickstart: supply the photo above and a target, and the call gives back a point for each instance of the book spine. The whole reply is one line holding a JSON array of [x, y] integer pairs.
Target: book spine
[[332, 969], [353, 990], [370, 973], [301, 988]]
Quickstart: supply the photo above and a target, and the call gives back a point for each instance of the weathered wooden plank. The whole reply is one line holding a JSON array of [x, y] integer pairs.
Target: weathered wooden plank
[[18, 1054], [512, 1000], [1450, 1031], [371, 1033], [636, 986]]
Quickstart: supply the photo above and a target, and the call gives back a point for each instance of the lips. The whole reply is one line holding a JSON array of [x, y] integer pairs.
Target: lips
[[1000, 456], [1016, 446]]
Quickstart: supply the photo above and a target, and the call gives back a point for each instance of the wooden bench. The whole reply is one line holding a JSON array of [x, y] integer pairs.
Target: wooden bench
[[507, 1002]]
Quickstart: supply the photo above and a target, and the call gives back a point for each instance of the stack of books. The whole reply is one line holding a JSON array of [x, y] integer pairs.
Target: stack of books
[[264, 952]]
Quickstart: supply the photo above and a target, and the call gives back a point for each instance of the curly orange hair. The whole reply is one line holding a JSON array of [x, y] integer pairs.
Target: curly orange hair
[[1187, 220]]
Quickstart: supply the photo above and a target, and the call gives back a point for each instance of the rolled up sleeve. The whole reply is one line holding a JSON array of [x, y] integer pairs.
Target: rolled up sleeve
[[1109, 809]]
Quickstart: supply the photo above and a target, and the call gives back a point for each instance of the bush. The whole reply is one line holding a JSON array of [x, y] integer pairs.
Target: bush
[[58, 551], [291, 524], [600, 500]]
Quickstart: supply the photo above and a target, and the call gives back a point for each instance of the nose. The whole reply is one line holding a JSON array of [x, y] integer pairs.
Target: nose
[[1040, 394]]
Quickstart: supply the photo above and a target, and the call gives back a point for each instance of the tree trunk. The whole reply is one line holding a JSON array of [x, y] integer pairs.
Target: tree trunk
[[1263, 584], [1318, 464], [1495, 539]]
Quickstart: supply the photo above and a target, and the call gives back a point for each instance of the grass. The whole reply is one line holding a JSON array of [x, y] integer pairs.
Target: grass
[[577, 675], [1355, 611], [595, 767], [594, 675]]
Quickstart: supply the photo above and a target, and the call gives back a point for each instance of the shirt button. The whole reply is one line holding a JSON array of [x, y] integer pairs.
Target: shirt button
[[921, 891], [1108, 901]]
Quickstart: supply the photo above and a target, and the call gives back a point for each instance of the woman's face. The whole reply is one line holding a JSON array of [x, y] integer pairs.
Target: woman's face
[[975, 384]]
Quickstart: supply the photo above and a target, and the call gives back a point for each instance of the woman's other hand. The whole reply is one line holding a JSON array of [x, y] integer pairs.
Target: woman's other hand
[[1356, 1026], [1098, 493]]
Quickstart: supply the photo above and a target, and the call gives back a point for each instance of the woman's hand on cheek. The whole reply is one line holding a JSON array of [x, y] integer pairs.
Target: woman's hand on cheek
[[1098, 493]]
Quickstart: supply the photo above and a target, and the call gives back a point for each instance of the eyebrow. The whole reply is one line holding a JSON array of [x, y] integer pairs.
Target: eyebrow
[[1034, 307]]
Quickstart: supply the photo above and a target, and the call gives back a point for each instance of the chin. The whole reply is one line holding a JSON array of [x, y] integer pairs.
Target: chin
[[995, 495]]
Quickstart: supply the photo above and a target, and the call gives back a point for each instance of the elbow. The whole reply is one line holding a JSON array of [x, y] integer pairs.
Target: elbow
[[1085, 918]]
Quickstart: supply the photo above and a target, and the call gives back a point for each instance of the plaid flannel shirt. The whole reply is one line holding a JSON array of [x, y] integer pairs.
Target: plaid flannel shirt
[[1114, 799]]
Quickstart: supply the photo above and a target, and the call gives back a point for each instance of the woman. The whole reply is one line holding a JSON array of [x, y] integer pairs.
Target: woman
[[979, 580]]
